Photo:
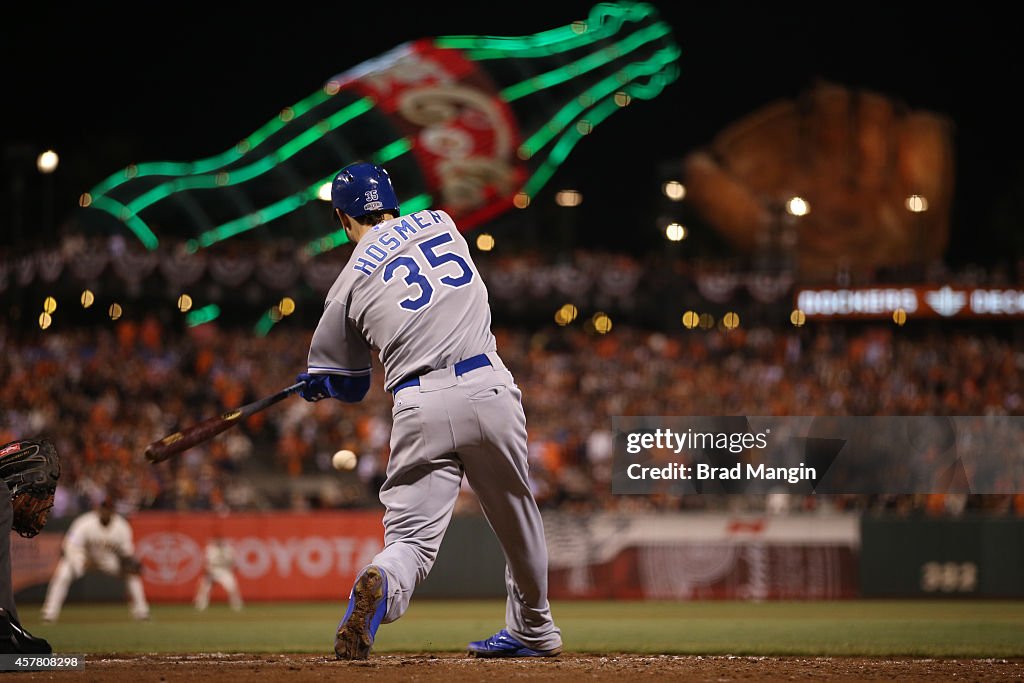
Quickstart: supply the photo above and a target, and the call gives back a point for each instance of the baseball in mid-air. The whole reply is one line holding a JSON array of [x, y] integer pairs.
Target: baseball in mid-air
[[344, 460]]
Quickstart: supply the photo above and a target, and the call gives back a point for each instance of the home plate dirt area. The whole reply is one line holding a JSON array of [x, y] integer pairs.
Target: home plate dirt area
[[454, 668]]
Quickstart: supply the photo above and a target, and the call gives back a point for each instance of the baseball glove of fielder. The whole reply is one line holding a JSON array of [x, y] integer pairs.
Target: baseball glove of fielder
[[30, 468], [131, 565]]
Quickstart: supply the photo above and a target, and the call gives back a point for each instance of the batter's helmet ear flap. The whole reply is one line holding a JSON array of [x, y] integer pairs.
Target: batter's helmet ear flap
[[363, 187]]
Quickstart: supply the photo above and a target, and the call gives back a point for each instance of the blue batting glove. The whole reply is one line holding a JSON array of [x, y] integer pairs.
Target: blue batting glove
[[317, 387]]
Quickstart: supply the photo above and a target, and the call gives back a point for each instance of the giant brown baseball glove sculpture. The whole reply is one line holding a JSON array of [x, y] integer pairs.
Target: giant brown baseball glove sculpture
[[878, 177]]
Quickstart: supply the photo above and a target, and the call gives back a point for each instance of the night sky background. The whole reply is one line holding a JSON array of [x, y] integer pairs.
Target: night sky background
[[106, 86]]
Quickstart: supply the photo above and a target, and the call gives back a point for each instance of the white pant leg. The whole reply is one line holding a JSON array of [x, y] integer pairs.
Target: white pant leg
[[223, 577], [70, 567], [57, 591], [136, 596], [202, 599], [419, 494], [228, 580], [497, 469]]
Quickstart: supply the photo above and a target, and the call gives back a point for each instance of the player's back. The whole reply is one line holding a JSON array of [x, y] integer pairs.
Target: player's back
[[415, 294]]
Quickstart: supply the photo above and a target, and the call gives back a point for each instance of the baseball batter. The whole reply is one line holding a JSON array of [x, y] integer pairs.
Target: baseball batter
[[411, 291], [100, 540]]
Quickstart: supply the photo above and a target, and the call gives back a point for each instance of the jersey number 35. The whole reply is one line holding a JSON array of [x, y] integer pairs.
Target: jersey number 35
[[414, 272]]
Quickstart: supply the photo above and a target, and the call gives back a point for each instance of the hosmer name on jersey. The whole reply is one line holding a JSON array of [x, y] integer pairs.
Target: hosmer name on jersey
[[377, 251]]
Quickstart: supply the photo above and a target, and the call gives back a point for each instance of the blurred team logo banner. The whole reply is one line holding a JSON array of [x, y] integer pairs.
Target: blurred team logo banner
[[827, 455], [283, 556], [704, 557]]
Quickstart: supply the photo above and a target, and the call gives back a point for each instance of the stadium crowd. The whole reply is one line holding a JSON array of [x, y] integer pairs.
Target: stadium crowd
[[103, 393]]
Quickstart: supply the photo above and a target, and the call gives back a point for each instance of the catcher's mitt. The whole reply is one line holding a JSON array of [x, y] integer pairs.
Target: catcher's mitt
[[30, 468]]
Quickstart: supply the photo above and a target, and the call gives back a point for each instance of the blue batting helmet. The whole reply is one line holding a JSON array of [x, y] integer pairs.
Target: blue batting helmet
[[363, 187]]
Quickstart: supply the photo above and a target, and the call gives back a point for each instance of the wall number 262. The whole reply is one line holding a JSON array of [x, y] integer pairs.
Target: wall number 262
[[949, 577]]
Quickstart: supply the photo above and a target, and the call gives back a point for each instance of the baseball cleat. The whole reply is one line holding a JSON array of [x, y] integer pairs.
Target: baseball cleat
[[502, 644], [367, 604]]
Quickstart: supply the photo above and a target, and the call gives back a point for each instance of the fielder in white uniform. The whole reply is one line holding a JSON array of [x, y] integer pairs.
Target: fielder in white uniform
[[98, 540], [411, 291], [219, 569]]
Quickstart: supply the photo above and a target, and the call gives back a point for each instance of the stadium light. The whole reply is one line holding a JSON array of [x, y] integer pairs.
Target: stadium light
[[916, 203], [566, 314], [674, 190], [47, 162], [797, 206], [602, 323], [569, 198], [485, 241], [675, 232]]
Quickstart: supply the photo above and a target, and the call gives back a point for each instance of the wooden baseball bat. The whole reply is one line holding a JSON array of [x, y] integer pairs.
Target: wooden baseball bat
[[161, 449]]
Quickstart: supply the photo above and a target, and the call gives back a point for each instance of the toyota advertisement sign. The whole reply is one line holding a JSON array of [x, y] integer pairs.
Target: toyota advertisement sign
[[280, 556]]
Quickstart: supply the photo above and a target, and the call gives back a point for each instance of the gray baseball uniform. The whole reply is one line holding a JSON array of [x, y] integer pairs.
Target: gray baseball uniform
[[411, 290]]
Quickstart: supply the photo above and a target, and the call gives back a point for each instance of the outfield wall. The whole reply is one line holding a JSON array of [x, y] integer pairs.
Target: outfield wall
[[664, 556], [703, 556], [933, 558]]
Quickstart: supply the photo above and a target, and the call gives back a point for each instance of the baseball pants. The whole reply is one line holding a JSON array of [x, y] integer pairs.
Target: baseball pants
[[475, 425], [73, 566], [226, 578]]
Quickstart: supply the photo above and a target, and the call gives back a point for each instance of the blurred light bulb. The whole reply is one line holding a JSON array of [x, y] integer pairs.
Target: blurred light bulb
[[47, 162], [569, 198], [485, 241], [915, 203], [797, 206], [675, 232], [674, 190]]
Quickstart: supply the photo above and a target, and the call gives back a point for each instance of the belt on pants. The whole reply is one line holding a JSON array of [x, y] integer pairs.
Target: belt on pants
[[461, 368]]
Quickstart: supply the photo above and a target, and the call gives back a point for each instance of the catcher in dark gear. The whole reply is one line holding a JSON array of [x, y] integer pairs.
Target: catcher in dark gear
[[29, 470]]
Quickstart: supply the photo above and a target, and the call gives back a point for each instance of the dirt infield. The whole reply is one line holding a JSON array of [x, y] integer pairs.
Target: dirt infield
[[456, 668]]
